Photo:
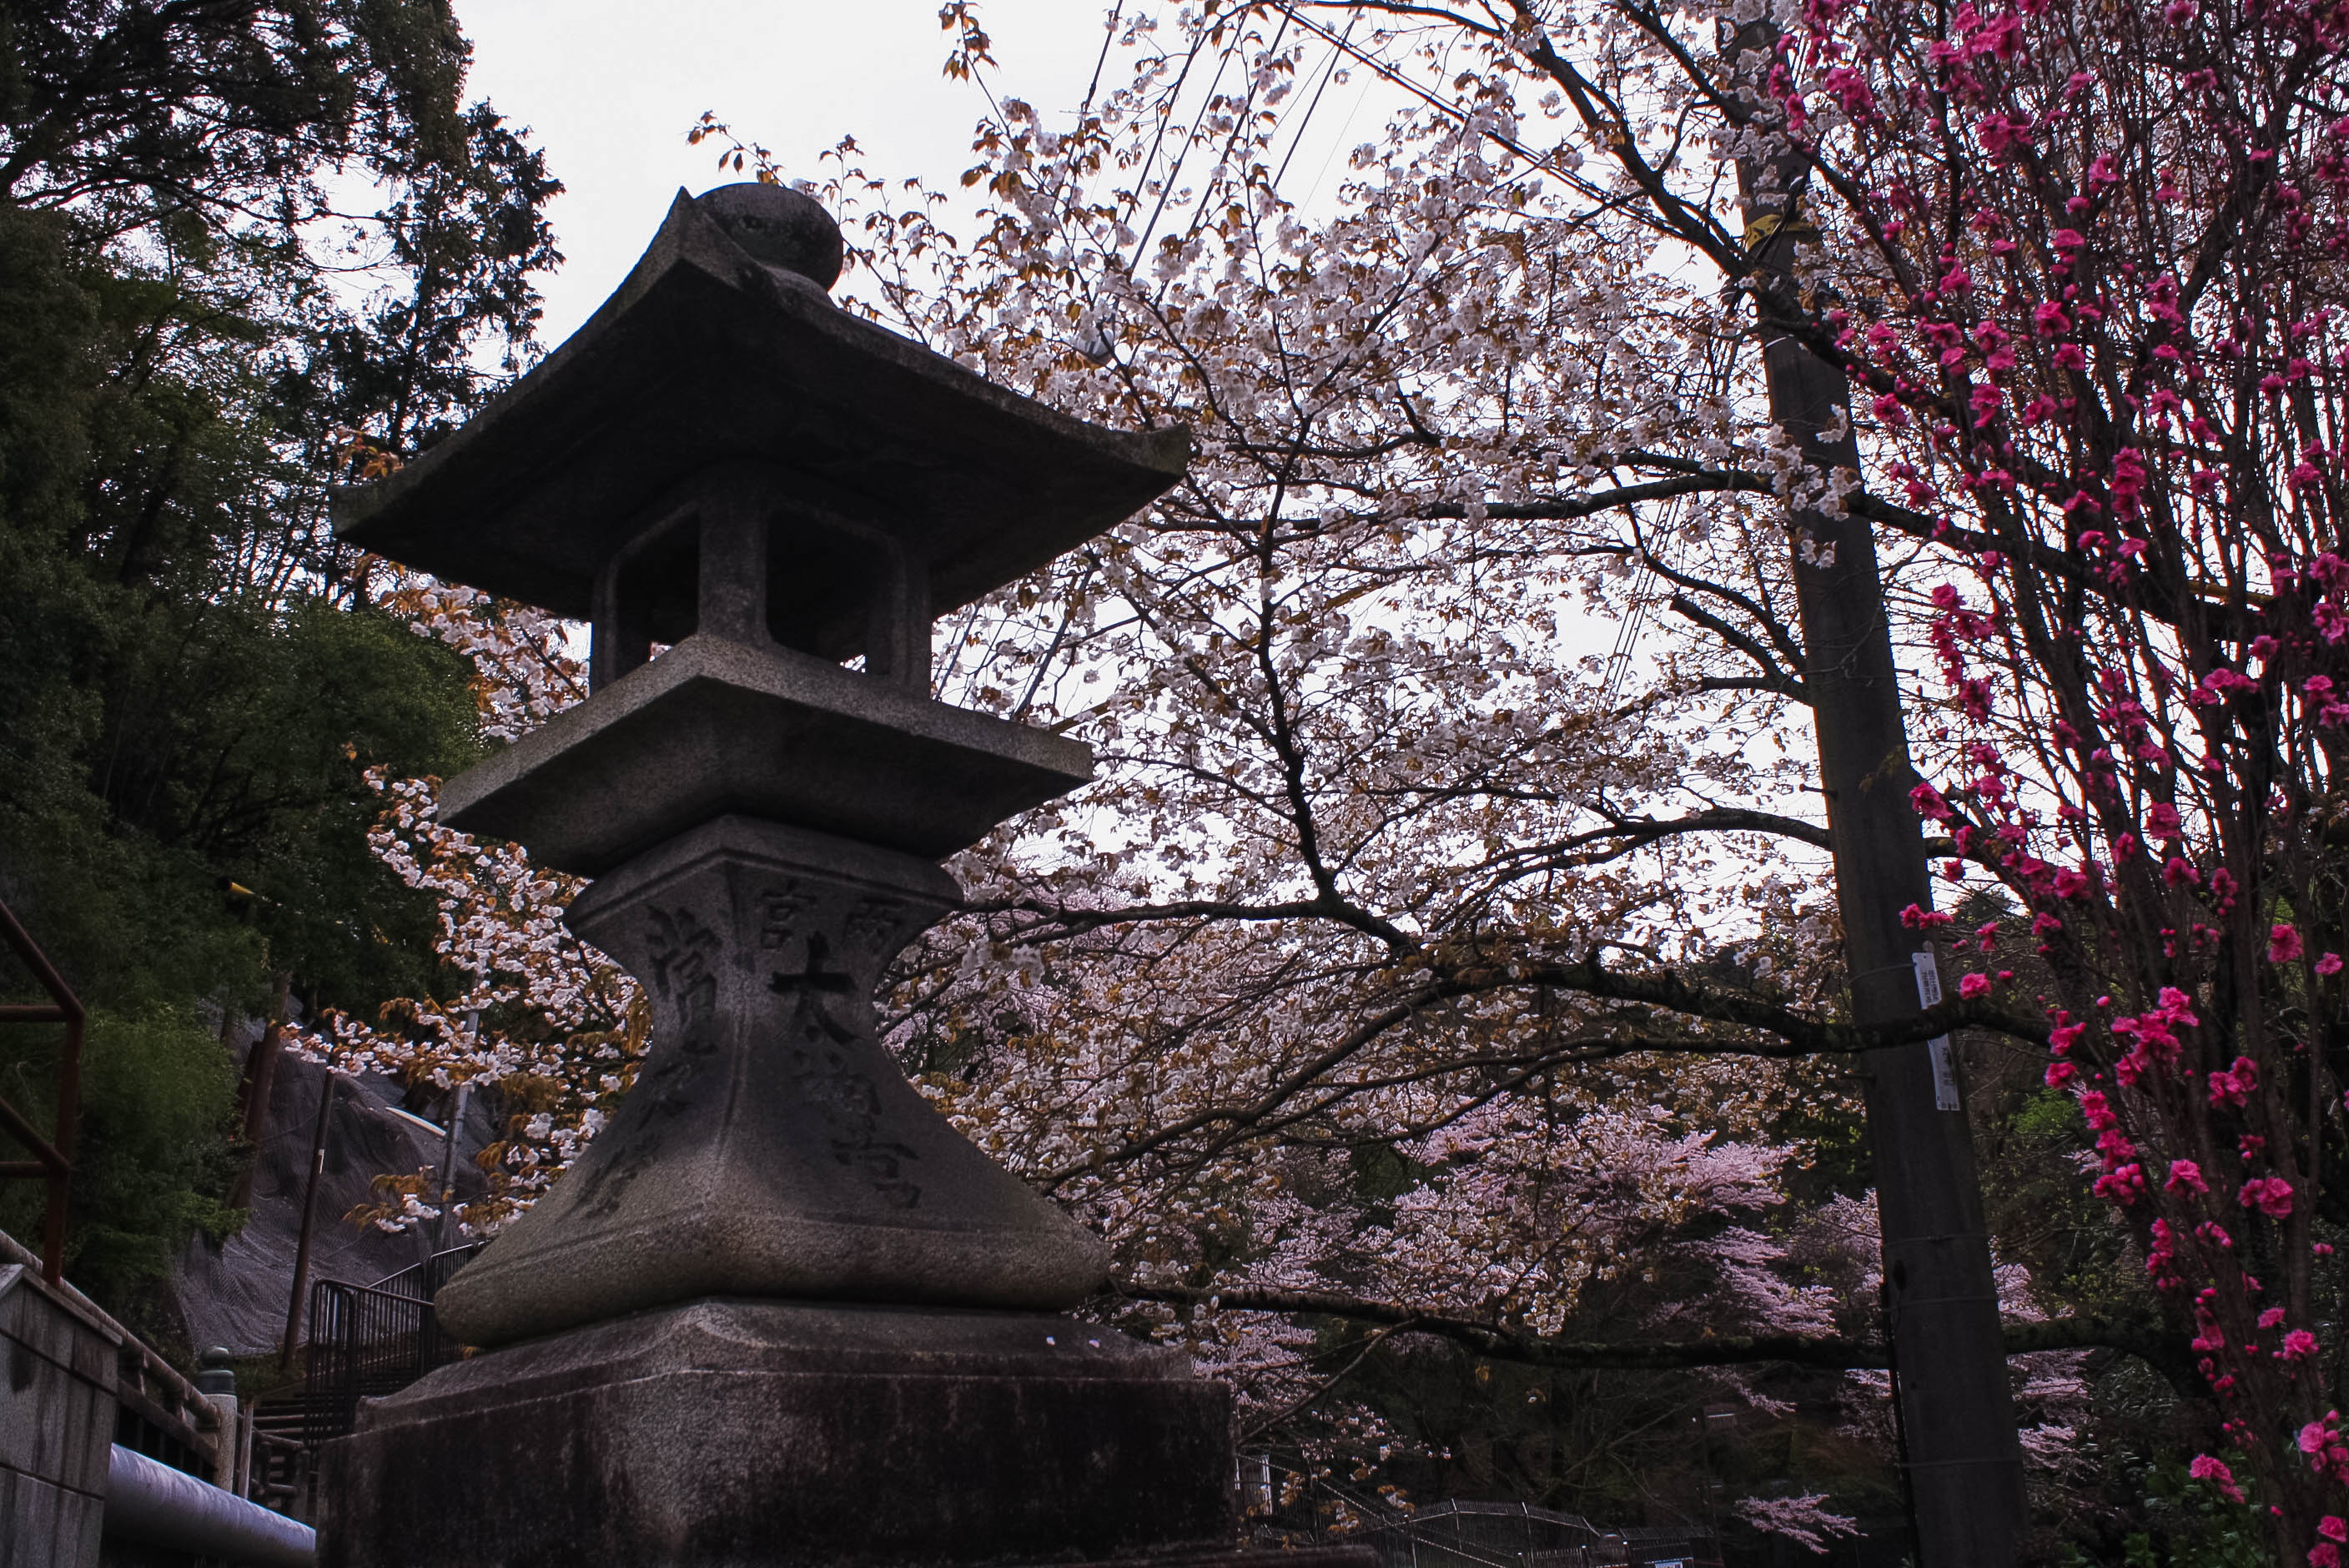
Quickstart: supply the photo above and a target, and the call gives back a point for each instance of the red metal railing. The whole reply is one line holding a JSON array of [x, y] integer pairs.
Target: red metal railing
[[52, 1158]]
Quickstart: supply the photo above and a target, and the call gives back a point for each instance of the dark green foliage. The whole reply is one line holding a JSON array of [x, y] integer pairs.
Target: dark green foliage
[[169, 725], [469, 238], [2044, 1214], [118, 106], [157, 1091], [2185, 1523], [194, 689]]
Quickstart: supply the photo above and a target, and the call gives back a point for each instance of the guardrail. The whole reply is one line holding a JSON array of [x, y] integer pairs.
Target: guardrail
[[159, 1411], [1289, 1507], [180, 1462], [365, 1341]]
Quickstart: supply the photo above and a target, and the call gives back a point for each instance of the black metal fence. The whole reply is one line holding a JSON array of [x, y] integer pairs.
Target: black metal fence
[[370, 1340], [1462, 1534], [1287, 1507], [424, 1280]]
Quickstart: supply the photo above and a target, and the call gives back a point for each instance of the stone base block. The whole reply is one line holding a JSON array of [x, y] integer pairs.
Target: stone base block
[[1241, 1557], [761, 1434]]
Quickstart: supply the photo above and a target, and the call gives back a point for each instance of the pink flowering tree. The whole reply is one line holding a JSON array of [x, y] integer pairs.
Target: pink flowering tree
[[2085, 272]]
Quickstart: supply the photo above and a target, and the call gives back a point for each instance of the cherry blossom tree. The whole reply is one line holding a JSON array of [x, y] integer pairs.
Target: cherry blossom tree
[[1373, 864], [547, 1021], [2079, 266], [1385, 856], [2095, 359], [1385, 832]]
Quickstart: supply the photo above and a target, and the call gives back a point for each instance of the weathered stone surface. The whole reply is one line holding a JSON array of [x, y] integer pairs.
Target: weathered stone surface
[[712, 559], [770, 1146], [714, 726], [44, 1525], [733, 1434], [783, 227], [707, 355]]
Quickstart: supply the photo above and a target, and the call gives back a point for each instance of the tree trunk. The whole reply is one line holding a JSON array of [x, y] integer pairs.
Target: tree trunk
[[253, 1087]]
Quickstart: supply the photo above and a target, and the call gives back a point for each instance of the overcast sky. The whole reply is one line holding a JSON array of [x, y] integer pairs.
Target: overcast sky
[[609, 92]]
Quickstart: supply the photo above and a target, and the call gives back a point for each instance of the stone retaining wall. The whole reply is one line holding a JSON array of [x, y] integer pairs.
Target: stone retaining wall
[[56, 1424]]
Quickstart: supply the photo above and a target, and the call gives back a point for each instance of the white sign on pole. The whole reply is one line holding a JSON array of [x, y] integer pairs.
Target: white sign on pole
[[1945, 1064]]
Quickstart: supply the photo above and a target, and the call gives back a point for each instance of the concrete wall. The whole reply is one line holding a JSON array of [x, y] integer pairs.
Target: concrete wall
[[56, 1425]]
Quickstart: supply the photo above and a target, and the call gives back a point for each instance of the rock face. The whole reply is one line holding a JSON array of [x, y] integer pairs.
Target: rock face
[[234, 1294]]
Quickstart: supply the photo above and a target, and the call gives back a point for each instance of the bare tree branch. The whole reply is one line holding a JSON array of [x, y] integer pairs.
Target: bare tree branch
[[2141, 1339]]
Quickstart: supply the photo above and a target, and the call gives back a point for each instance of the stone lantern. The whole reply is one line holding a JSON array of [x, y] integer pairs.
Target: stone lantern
[[780, 1311]]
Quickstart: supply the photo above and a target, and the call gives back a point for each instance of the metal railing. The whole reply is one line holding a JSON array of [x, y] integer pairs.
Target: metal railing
[[1291, 1507], [1461, 1533], [365, 1343], [52, 1158], [424, 1280]]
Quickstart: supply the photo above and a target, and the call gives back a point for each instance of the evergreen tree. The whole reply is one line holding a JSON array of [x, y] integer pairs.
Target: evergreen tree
[[194, 681]]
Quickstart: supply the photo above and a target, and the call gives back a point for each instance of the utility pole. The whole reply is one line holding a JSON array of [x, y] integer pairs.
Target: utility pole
[[445, 1232], [310, 1219], [1957, 1411]]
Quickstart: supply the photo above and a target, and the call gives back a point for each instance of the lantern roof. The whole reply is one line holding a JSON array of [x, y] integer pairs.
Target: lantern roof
[[714, 353]]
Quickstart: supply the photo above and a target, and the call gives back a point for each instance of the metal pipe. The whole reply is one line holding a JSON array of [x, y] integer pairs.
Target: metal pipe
[[50, 1161], [152, 1502], [445, 1192]]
